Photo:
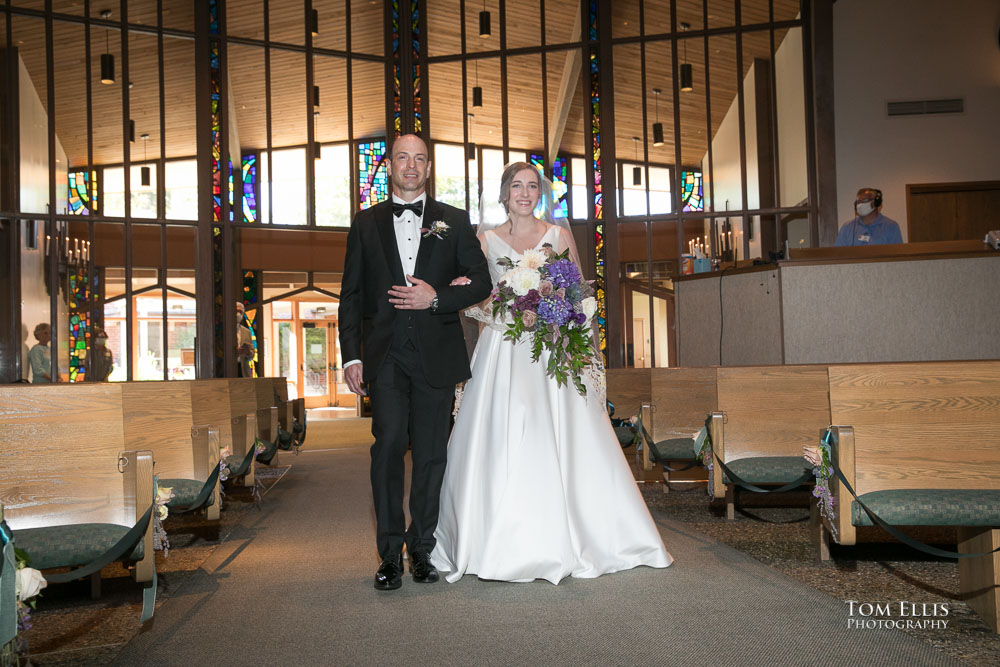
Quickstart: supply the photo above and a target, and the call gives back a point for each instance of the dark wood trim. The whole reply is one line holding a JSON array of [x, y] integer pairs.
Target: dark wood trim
[[204, 278], [504, 114], [766, 153], [230, 269], [609, 185], [310, 170], [965, 186], [355, 206], [127, 175], [10, 229], [825, 163]]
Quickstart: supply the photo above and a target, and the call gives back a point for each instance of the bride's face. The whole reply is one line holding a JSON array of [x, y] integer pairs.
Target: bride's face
[[524, 192]]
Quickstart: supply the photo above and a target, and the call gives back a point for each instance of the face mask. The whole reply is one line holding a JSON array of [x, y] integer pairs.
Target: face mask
[[102, 341], [864, 208]]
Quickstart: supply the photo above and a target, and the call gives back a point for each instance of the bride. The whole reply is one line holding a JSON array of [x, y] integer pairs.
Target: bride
[[536, 486]]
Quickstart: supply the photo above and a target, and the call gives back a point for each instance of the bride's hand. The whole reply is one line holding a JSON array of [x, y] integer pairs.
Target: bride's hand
[[461, 280]]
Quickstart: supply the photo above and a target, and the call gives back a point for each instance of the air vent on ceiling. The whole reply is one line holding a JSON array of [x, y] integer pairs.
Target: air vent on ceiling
[[922, 107]]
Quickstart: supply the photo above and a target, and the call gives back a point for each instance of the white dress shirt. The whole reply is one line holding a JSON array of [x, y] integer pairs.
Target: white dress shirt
[[407, 229]]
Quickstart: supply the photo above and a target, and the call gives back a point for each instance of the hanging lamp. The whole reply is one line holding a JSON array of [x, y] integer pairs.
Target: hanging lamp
[[144, 172], [107, 59], [657, 126], [687, 72], [484, 22], [477, 91], [636, 170]]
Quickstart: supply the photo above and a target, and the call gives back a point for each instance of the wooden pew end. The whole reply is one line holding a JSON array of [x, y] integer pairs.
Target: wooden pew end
[[980, 577]]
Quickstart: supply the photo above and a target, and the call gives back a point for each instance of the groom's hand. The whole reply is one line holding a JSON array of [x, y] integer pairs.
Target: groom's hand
[[416, 297], [354, 376]]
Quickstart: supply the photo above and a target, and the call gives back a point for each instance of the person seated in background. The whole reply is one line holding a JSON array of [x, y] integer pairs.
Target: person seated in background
[[870, 227], [101, 359], [38, 357]]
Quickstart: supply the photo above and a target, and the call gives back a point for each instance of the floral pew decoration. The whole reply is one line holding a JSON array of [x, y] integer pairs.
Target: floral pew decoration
[[818, 457]]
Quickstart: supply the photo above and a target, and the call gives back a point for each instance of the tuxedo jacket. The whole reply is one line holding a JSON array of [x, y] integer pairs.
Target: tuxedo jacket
[[368, 321]]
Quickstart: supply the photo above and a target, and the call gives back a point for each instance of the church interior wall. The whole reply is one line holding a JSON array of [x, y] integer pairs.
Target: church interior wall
[[912, 54]]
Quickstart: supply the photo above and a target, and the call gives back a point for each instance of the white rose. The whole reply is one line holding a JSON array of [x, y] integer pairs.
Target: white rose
[[532, 259], [523, 280], [29, 582], [588, 307]]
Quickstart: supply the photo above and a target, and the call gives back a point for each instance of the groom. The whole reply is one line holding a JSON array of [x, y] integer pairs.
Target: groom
[[400, 331]]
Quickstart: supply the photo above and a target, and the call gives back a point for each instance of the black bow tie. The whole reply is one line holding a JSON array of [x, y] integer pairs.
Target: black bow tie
[[416, 206]]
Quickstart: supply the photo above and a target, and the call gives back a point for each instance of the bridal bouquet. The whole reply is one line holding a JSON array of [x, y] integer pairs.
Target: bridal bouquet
[[544, 294]]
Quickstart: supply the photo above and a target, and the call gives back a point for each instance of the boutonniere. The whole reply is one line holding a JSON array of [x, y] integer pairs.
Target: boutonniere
[[438, 228]]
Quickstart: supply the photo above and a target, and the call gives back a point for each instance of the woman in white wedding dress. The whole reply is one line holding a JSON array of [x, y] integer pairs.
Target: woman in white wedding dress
[[536, 485]]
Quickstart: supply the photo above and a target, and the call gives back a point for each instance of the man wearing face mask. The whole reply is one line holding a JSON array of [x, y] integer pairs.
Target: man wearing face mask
[[101, 359], [870, 227]]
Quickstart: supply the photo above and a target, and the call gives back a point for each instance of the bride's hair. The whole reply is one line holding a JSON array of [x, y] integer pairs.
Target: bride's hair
[[544, 187]]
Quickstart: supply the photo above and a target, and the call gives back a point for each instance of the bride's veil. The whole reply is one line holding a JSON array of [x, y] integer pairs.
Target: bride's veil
[[492, 212]]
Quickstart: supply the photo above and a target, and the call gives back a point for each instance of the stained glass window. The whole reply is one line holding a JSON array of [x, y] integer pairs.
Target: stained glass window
[[692, 191], [250, 188], [560, 188], [251, 320], [372, 175], [82, 194], [415, 44], [397, 101], [79, 322], [595, 131]]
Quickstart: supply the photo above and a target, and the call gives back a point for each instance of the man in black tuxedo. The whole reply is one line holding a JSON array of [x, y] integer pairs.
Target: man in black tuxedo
[[400, 331]]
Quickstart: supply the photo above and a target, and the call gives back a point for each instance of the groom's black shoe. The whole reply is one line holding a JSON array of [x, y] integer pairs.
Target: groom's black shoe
[[389, 575], [421, 569]]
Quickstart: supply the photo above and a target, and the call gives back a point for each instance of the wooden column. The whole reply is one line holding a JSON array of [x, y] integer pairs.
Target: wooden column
[[820, 27]]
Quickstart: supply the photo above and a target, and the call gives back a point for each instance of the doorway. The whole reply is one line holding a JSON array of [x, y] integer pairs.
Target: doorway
[[316, 373], [303, 347]]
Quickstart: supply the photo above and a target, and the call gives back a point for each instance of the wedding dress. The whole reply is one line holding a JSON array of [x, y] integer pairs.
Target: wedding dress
[[536, 485]]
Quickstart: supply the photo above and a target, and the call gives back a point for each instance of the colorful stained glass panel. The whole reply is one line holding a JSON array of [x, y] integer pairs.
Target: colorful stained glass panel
[[692, 191], [372, 175]]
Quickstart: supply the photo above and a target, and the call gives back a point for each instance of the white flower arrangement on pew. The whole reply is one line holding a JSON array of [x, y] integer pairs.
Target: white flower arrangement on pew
[[27, 586], [819, 458], [164, 494]]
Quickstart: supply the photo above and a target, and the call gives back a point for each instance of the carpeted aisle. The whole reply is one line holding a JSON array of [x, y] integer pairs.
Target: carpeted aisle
[[293, 585]]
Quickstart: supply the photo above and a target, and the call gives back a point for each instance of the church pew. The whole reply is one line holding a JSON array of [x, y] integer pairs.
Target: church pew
[[243, 415], [69, 485], [628, 389], [920, 445], [765, 415], [172, 419], [681, 398]]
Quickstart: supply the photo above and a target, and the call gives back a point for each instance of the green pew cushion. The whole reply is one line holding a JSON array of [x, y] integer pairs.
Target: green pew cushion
[[767, 469], [674, 449], [72, 545], [930, 507], [185, 492]]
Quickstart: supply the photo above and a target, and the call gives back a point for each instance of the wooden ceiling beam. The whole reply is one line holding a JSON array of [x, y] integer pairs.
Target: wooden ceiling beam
[[567, 87]]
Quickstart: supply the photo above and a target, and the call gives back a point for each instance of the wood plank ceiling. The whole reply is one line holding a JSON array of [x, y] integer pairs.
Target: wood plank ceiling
[[289, 112]]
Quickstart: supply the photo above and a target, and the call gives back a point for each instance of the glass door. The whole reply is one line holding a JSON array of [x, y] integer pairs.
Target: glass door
[[316, 367]]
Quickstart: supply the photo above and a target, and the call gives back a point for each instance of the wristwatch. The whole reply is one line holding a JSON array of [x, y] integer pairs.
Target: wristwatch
[[434, 304]]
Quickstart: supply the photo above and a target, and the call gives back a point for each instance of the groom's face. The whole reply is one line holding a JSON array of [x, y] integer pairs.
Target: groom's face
[[409, 166]]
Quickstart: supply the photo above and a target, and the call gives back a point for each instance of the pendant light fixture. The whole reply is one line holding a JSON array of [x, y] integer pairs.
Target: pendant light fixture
[[687, 72], [470, 152], [477, 91], [484, 22], [315, 96], [317, 151], [144, 172], [636, 170], [657, 126], [131, 131], [107, 60], [314, 22]]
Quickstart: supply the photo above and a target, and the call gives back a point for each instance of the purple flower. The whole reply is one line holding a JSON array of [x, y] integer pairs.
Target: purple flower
[[553, 310], [527, 302], [563, 273], [578, 319]]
